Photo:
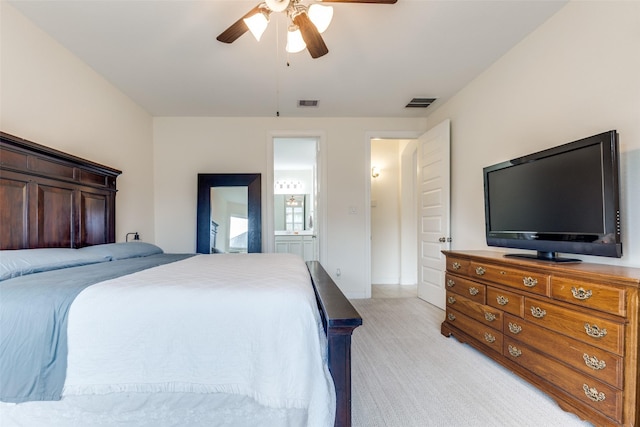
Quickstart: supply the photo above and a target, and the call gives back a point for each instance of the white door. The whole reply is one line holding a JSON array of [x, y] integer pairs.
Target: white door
[[433, 212]]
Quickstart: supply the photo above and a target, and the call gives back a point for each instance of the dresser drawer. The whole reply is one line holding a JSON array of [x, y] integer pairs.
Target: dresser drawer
[[588, 328], [525, 280], [482, 313], [593, 361], [591, 295], [482, 333], [591, 392], [506, 301], [457, 265], [570, 329], [467, 288]]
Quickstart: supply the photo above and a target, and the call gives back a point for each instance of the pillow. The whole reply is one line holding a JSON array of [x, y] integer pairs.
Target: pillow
[[20, 262], [115, 251]]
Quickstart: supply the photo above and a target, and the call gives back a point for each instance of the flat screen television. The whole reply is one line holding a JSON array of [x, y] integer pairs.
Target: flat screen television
[[564, 199]]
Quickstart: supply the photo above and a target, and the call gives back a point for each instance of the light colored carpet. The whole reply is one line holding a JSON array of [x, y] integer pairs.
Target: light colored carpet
[[406, 374]]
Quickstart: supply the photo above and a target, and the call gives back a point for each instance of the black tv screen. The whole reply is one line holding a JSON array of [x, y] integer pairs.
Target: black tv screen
[[564, 199]]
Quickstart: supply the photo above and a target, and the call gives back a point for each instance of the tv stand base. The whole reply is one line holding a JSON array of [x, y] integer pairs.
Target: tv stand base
[[545, 256]]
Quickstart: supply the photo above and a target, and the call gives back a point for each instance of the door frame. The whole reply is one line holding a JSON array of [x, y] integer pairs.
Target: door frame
[[268, 239], [367, 211]]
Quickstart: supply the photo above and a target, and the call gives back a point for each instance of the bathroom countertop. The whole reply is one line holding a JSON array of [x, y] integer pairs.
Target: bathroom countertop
[[295, 233]]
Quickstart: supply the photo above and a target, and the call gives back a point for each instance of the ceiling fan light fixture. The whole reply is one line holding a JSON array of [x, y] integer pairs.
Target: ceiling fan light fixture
[[310, 21], [295, 43], [321, 16], [257, 23], [277, 5]]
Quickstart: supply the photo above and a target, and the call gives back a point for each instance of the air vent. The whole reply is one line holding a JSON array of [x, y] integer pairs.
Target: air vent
[[420, 102], [308, 103]]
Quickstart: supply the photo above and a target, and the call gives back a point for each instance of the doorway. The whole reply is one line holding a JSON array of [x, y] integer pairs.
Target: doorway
[[296, 214], [432, 213], [394, 214]]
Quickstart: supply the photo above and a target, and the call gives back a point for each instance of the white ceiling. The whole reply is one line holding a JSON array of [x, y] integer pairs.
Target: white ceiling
[[165, 56]]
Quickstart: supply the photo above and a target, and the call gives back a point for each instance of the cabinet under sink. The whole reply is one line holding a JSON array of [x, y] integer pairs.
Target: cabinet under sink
[[303, 244]]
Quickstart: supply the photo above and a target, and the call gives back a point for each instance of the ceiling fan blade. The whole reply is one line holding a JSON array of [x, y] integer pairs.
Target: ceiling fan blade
[[311, 36], [361, 1], [238, 28]]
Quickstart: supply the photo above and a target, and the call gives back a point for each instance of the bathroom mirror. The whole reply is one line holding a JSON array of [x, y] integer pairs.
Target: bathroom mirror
[[228, 213], [292, 213]]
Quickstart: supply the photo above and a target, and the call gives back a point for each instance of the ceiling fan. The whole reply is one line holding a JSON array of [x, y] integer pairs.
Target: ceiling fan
[[306, 23]]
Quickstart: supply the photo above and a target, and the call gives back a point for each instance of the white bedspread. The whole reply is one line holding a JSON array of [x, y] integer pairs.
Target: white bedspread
[[244, 324]]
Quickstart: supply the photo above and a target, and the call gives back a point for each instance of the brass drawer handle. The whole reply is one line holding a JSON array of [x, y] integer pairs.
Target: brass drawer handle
[[593, 394], [593, 362], [515, 328], [514, 351], [451, 316], [489, 316], [451, 283], [502, 300], [581, 294], [529, 282], [594, 331], [473, 291], [451, 300], [480, 271], [489, 338], [538, 312], [456, 266]]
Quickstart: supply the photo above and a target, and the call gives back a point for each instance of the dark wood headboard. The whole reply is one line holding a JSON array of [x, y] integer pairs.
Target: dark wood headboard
[[52, 199]]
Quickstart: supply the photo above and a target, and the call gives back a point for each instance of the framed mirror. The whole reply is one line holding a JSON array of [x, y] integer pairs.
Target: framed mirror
[[228, 213]]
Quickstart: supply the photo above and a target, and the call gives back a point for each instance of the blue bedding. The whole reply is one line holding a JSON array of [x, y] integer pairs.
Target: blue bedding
[[33, 324]]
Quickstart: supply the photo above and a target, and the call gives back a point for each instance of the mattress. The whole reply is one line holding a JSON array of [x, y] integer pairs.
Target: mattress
[[210, 340]]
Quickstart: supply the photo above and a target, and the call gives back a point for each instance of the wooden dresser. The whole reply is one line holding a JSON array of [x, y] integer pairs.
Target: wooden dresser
[[569, 329]]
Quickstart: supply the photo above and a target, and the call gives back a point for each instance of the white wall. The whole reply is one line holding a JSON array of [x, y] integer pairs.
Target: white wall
[[575, 76], [385, 213], [50, 97], [184, 147], [408, 212]]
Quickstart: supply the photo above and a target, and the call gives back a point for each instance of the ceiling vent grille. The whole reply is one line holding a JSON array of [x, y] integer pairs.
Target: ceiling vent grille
[[308, 103], [420, 102]]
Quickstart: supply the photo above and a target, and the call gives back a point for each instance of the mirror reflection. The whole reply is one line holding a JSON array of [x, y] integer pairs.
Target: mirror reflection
[[229, 220]]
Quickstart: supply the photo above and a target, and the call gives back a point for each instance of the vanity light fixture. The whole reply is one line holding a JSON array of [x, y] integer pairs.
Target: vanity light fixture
[[287, 186]]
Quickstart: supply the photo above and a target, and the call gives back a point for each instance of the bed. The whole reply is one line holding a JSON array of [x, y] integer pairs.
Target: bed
[[153, 338]]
